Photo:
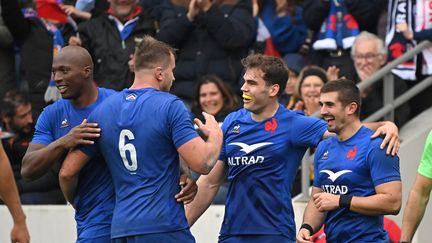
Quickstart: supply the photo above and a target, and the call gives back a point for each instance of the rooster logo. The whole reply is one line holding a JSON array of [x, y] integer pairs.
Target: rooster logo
[[270, 126], [352, 153]]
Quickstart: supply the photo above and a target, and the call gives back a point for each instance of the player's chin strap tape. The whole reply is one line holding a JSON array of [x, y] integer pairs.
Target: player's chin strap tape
[[345, 201], [308, 227]]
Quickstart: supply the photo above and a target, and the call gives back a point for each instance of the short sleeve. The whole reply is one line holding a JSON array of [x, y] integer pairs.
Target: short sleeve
[[318, 155], [43, 130], [383, 168], [226, 123], [182, 129], [425, 167], [308, 131]]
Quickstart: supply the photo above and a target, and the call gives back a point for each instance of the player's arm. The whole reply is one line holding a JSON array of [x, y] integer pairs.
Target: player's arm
[[40, 158], [312, 217], [387, 128], [68, 176], [387, 200], [202, 155], [208, 186], [416, 206], [9, 195]]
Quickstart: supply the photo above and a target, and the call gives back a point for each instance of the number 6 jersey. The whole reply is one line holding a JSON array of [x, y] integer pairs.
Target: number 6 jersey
[[141, 132]]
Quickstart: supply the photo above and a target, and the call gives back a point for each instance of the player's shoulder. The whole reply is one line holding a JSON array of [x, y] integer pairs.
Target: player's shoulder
[[104, 92], [366, 133], [57, 106], [239, 114]]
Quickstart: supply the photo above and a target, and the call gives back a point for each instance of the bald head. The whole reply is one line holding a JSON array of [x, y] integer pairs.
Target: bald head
[[75, 55], [73, 72]]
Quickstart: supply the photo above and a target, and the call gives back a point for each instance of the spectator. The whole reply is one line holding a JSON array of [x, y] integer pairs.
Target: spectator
[[17, 120], [110, 38], [295, 64], [308, 88], [215, 97], [39, 37], [369, 55], [334, 36], [7, 60], [212, 37], [414, 32], [281, 29]]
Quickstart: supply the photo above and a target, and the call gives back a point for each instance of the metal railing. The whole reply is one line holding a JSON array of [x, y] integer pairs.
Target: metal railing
[[389, 103]]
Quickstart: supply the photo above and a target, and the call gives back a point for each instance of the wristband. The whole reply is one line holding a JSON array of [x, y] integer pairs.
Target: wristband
[[308, 227], [345, 201]]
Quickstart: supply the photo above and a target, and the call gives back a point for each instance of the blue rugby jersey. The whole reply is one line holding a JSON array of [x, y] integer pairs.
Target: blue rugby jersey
[[354, 167], [94, 199], [263, 158], [141, 132]]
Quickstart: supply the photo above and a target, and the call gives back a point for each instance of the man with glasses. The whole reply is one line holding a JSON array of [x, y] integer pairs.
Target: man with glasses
[[369, 54]]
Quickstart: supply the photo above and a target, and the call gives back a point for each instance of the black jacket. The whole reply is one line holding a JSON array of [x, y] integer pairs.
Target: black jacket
[[110, 54], [213, 44]]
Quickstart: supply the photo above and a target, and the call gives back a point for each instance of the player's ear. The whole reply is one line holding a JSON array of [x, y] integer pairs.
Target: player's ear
[[158, 72], [87, 71], [274, 90], [352, 108]]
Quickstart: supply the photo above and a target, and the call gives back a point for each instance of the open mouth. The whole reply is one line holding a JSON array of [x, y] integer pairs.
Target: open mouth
[[62, 88], [329, 119], [246, 97]]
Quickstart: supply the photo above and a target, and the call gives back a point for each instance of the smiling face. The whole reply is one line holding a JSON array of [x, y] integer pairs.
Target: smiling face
[[367, 58], [332, 111], [210, 98], [70, 76], [311, 87], [256, 92]]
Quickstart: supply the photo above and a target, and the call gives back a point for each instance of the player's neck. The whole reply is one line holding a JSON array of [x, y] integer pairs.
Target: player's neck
[[349, 130], [267, 112], [144, 80], [88, 96]]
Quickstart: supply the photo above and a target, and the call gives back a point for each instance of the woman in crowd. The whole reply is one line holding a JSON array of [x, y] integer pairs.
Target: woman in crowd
[[215, 97], [311, 79]]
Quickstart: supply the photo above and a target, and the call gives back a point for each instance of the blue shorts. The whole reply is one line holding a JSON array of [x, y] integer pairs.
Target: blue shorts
[[254, 239], [165, 237]]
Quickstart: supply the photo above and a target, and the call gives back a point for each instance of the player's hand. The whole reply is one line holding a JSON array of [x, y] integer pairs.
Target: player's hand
[[304, 236], [391, 132], [325, 201], [19, 233], [210, 126], [84, 133], [188, 191]]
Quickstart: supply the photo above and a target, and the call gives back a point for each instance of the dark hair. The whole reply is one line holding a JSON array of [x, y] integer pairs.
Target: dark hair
[[347, 90], [231, 102], [274, 69], [307, 71], [150, 53], [11, 101]]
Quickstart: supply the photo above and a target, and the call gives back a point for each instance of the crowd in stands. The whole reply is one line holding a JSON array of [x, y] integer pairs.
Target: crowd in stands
[[319, 40]]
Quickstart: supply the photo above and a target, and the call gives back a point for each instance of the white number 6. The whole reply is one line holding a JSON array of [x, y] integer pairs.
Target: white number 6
[[128, 147]]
